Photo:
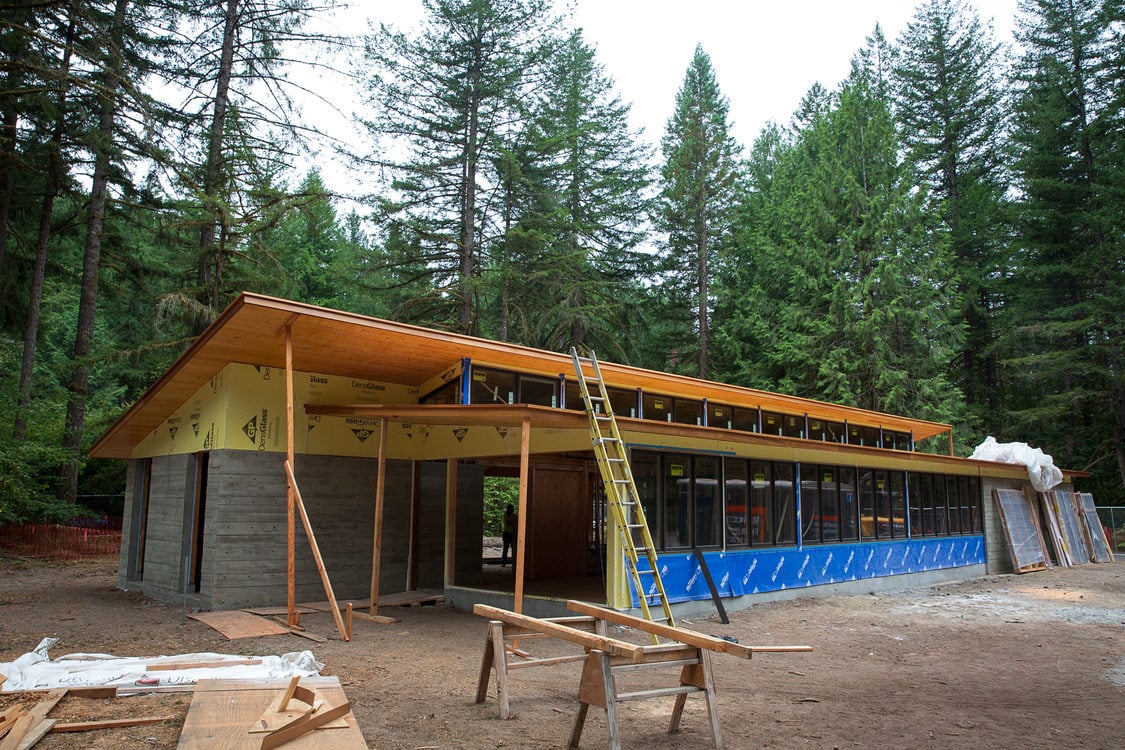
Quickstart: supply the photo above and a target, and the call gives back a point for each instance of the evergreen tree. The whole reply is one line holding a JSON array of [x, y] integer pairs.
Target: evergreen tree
[[951, 122], [578, 178], [1068, 293], [700, 182], [847, 293], [441, 101]]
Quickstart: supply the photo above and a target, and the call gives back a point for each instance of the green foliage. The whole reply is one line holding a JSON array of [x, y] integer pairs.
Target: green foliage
[[1065, 316], [499, 492]]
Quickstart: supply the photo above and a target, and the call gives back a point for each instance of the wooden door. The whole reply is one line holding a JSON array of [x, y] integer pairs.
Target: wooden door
[[559, 523]]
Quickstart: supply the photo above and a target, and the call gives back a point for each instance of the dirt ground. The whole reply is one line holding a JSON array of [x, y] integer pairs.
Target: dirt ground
[[1031, 661]]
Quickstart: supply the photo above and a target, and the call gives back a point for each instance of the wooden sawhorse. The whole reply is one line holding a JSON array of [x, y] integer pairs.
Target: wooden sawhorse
[[506, 626], [599, 687], [605, 658]]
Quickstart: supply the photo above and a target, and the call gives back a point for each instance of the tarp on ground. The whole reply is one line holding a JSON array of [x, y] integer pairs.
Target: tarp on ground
[[35, 670]]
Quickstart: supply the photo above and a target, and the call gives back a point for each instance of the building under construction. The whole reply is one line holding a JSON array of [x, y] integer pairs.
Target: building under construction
[[383, 434]]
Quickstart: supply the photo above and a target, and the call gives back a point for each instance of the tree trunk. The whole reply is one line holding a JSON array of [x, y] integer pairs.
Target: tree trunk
[[35, 301], [102, 147], [209, 270]]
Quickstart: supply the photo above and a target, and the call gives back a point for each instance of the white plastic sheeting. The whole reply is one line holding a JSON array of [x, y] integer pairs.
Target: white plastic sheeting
[[1041, 469], [35, 670]]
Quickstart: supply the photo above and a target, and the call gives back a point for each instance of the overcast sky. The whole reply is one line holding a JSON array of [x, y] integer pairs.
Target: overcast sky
[[765, 55]]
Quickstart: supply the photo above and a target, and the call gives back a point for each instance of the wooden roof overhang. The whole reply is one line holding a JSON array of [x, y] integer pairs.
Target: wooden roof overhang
[[252, 331]]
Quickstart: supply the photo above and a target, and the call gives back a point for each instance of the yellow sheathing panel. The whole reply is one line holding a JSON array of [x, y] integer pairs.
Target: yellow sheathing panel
[[243, 408], [198, 425]]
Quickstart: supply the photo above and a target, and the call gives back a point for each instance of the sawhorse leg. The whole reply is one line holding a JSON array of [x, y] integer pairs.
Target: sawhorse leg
[[699, 675], [495, 659], [597, 689]]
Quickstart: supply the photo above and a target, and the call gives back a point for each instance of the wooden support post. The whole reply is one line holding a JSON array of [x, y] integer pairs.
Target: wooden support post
[[951, 441], [521, 531], [450, 520], [348, 620], [380, 491], [290, 521], [316, 555]]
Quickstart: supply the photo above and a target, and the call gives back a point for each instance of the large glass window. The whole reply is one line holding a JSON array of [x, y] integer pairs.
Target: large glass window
[[677, 490], [707, 502], [772, 423], [867, 503], [784, 504], [941, 510], [829, 504], [849, 505], [914, 494], [898, 504], [793, 425], [810, 505], [882, 505], [450, 393], [974, 509], [687, 411], [538, 391], [736, 490], [761, 503], [646, 476], [746, 420], [492, 387]]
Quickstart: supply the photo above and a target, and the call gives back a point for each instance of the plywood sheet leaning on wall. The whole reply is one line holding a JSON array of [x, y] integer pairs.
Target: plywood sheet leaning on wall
[[1021, 529], [1063, 553], [1075, 537], [1098, 540]]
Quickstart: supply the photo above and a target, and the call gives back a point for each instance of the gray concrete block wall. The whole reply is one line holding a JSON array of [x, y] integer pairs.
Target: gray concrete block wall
[[162, 573], [246, 556]]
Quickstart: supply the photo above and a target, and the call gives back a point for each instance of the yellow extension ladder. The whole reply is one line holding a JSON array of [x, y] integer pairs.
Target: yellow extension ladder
[[621, 492]]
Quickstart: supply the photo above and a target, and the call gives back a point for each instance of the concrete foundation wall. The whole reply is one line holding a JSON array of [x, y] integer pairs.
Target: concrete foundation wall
[[244, 532]]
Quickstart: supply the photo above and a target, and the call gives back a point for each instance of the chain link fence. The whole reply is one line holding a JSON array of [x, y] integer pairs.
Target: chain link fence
[[1113, 521]]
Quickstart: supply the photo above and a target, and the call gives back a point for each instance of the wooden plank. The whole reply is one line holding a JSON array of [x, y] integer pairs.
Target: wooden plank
[[236, 624], [410, 598], [20, 727], [89, 726], [36, 733], [563, 632], [291, 487], [223, 711], [521, 523], [301, 727], [316, 553], [681, 635], [380, 491]]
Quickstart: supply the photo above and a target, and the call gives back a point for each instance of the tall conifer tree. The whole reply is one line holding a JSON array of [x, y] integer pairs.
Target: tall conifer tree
[[1068, 296], [950, 118], [580, 191], [441, 100], [697, 205]]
